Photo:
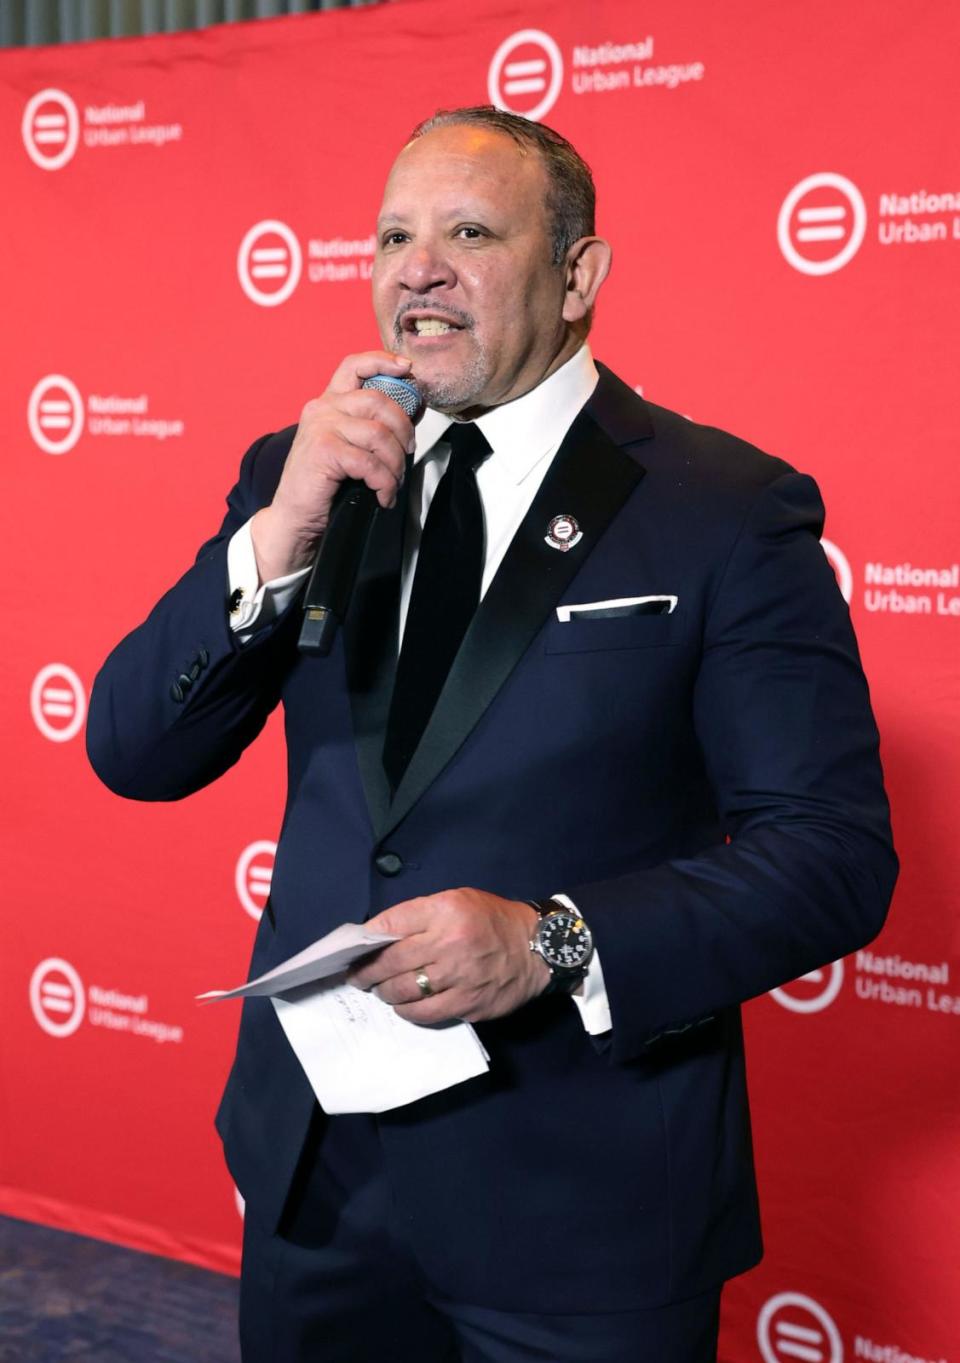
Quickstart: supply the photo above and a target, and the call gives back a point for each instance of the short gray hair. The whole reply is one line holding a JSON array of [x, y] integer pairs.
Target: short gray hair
[[571, 197]]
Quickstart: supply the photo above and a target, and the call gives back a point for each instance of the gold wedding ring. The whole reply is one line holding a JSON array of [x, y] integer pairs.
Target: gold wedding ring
[[423, 983]]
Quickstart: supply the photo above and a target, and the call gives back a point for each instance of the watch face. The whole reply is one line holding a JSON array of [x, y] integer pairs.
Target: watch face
[[565, 940]]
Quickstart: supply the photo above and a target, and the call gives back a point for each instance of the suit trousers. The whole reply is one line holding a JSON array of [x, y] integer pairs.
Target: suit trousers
[[337, 1283]]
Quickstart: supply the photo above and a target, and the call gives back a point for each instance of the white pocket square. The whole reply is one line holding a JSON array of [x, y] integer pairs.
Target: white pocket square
[[618, 606]]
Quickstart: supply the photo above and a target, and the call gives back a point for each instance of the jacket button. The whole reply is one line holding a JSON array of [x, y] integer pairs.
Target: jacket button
[[388, 863], [176, 693]]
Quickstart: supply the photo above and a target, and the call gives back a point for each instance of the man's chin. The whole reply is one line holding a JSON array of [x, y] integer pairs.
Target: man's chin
[[450, 393]]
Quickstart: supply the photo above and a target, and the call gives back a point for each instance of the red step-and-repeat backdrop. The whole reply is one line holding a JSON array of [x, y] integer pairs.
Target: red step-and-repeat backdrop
[[186, 254]]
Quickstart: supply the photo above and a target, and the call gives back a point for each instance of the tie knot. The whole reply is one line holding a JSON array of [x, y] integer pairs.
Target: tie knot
[[468, 445]]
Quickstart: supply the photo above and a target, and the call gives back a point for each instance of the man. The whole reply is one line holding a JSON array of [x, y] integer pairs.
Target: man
[[656, 712]]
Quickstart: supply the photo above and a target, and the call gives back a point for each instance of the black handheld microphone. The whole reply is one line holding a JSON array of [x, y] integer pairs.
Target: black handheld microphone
[[330, 587]]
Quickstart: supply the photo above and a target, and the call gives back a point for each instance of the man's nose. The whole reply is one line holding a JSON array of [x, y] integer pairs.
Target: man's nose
[[426, 268]]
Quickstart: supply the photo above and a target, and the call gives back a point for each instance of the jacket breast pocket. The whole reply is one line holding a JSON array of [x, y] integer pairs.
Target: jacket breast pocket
[[617, 632]]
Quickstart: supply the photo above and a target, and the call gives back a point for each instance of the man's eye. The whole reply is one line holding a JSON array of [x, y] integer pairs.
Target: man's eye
[[471, 233], [394, 238]]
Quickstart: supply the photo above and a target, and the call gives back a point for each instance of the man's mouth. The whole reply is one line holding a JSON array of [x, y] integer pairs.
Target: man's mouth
[[426, 322], [429, 326]]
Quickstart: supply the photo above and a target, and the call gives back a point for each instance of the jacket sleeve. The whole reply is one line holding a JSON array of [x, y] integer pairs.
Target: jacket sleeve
[[179, 699], [807, 867]]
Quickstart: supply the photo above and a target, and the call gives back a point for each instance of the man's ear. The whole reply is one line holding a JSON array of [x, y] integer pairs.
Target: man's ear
[[586, 267]]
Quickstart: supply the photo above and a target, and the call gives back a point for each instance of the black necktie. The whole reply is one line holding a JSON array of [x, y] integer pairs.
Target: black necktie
[[445, 595]]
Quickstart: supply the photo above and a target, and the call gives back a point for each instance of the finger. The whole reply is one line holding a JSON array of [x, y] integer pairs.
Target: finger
[[351, 372], [402, 958], [404, 989], [365, 402], [376, 437], [331, 435], [427, 1012], [369, 453], [376, 407], [369, 402], [404, 918]]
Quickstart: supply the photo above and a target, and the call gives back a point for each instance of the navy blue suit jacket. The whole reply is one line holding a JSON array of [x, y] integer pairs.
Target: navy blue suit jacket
[[704, 784]]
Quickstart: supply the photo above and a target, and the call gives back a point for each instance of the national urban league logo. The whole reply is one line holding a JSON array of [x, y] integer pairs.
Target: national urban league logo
[[821, 224], [813, 992], [792, 1326], [57, 997], [841, 566], [526, 74], [55, 414], [58, 702], [269, 263], [59, 1003], [253, 875], [51, 129]]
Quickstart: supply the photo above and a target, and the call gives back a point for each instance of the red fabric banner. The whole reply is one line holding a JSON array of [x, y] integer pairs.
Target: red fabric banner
[[187, 253]]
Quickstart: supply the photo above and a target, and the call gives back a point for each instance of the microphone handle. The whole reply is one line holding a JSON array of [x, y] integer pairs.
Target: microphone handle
[[352, 515], [338, 560]]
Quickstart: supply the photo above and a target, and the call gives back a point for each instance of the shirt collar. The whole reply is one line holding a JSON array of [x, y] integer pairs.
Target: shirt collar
[[522, 431]]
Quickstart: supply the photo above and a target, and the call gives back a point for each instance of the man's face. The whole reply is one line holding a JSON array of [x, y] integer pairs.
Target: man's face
[[462, 281]]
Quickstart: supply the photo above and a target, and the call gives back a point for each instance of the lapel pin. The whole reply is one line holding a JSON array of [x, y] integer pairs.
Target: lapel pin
[[563, 533]]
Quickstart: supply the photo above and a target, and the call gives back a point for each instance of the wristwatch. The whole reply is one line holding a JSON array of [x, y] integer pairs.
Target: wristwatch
[[564, 941]]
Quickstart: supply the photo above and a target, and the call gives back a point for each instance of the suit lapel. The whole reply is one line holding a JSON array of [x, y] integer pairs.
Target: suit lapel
[[590, 479]]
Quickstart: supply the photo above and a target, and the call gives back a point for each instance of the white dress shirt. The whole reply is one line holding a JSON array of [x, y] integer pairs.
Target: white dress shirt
[[524, 435]]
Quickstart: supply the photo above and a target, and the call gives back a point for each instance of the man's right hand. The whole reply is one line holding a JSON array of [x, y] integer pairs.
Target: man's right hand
[[348, 432]]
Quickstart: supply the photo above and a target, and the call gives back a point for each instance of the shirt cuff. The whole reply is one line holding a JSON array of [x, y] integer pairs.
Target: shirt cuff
[[254, 604], [591, 999]]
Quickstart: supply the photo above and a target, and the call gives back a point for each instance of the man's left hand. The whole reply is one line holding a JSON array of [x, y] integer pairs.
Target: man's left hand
[[473, 947]]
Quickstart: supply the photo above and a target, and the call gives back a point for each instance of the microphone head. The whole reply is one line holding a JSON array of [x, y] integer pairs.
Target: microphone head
[[403, 392]]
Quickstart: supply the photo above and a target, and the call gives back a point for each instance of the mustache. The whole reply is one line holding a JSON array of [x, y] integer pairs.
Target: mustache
[[456, 315]]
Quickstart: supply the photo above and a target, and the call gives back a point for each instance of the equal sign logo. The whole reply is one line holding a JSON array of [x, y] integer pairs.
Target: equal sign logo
[[51, 129], [57, 997], [526, 74], [58, 702], [269, 263], [253, 876], [813, 992], [55, 414], [821, 224], [792, 1325]]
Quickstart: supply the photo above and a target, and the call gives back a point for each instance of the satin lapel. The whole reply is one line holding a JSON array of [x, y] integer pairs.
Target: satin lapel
[[370, 640], [590, 479]]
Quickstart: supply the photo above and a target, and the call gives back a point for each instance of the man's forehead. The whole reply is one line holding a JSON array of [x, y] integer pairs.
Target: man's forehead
[[474, 146], [469, 138], [464, 169]]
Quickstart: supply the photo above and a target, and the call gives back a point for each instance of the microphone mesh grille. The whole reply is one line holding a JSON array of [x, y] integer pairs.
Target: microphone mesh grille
[[403, 392]]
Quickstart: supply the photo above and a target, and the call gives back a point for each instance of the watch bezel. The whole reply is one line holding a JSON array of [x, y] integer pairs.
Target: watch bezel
[[563, 969]]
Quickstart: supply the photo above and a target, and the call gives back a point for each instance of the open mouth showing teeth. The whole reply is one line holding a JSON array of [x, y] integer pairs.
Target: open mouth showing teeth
[[429, 326]]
